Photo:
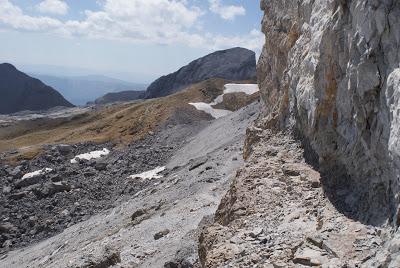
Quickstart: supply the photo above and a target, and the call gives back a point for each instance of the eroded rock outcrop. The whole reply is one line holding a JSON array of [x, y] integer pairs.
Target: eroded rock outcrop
[[329, 77], [330, 71], [277, 215]]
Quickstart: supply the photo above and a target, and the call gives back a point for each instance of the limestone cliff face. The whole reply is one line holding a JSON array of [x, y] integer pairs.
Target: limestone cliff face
[[330, 71]]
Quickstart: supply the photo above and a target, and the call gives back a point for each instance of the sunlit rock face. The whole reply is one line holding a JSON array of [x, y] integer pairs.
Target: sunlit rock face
[[330, 71]]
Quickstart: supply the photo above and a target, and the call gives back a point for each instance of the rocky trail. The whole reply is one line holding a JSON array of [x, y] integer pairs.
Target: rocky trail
[[278, 213], [106, 218]]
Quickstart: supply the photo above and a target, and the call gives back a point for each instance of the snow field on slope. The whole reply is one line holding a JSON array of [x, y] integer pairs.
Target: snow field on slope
[[248, 89]]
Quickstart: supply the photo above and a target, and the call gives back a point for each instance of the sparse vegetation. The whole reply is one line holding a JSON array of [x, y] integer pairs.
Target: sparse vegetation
[[121, 123]]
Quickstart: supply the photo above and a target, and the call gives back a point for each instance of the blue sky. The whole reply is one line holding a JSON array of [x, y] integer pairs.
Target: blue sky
[[136, 40]]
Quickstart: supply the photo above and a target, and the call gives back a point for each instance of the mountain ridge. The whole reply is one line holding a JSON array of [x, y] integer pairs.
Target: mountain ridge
[[231, 64], [22, 92], [121, 96]]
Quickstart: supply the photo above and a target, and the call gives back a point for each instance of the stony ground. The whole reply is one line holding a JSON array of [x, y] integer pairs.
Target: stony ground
[[105, 219], [73, 192], [277, 214]]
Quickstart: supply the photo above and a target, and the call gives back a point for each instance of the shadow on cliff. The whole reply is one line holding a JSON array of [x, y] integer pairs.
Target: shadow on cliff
[[359, 200]]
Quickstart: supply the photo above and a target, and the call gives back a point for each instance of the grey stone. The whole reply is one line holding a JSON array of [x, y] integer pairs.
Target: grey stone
[[16, 173], [178, 264], [7, 228], [7, 244], [256, 232], [29, 181], [197, 163], [138, 213], [64, 149], [161, 234], [19, 195], [100, 166], [51, 188], [6, 189]]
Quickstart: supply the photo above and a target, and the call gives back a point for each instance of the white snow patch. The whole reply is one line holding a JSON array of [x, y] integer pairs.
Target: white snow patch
[[206, 107], [37, 173], [90, 155], [148, 175], [248, 89]]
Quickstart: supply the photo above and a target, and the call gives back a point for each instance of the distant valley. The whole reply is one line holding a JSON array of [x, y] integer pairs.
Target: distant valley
[[80, 90]]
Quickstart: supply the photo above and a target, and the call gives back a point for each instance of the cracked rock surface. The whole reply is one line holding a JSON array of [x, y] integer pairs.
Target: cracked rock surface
[[277, 214], [329, 70]]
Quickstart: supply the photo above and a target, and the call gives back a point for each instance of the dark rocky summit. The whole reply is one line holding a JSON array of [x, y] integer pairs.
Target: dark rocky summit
[[21, 92], [232, 64], [122, 96]]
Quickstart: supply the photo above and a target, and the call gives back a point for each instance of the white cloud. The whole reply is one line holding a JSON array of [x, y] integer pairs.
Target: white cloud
[[227, 12], [254, 40], [144, 21], [158, 21], [57, 7], [13, 16]]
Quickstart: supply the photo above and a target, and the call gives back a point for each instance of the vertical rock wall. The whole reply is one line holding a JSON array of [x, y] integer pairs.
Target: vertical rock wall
[[330, 71]]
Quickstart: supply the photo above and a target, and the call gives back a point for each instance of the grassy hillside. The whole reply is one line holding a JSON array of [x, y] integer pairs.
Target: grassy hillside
[[122, 123]]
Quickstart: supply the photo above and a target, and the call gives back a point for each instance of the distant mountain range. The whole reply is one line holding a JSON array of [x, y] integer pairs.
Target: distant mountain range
[[80, 90], [21, 92], [232, 64], [69, 71]]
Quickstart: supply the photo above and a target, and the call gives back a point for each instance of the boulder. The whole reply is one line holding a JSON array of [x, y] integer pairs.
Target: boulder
[[161, 234], [178, 264], [100, 166], [29, 181], [16, 173], [19, 195], [64, 149], [32, 178], [6, 228], [138, 213], [51, 188], [6, 189], [197, 163]]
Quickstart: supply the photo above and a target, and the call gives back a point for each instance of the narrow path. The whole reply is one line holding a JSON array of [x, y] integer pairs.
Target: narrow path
[[276, 215]]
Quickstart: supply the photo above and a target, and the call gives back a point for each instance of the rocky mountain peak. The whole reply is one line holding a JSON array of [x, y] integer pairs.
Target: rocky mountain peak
[[21, 92], [7, 66], [232, 64]]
